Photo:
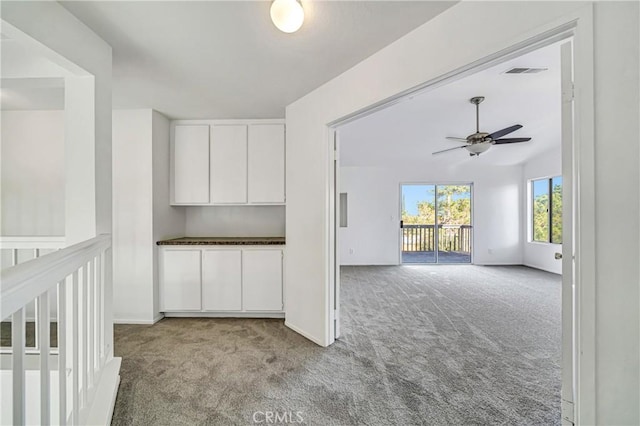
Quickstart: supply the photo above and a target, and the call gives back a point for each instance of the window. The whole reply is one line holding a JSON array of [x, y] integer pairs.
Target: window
[[546, 210]]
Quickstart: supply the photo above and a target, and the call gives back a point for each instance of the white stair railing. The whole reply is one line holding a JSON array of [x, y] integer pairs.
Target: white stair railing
[[79, 274]]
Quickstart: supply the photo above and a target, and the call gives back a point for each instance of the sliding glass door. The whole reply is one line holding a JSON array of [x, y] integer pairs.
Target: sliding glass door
[[436, 223], [454, 223]]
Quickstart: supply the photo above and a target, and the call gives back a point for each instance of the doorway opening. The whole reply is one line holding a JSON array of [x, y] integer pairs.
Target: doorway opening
[[429, 223], [436, 223]]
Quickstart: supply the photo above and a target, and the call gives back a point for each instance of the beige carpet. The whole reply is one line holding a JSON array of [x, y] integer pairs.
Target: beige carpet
[[432, 345]]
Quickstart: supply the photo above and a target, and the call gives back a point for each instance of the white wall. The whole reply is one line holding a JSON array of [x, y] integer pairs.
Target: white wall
[[168, 221], [608, 370], [371, 235], [141, 211], [235, 221], [33, 170], [617, 178], [373, 213], [132, 215], [539, 255]]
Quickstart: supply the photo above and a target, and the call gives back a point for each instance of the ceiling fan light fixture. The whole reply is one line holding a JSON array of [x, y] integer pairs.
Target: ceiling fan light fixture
[[287, 15], [478, 148]]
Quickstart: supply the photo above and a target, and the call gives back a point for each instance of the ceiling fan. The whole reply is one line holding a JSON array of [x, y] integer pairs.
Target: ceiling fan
[[479, 142]]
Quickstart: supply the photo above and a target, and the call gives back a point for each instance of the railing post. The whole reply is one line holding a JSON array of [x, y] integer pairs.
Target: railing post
[[44, 345], [18, 349], [107, 302], [91, 324], [85, 318], [101, 339], [75, 365], [62, 351]]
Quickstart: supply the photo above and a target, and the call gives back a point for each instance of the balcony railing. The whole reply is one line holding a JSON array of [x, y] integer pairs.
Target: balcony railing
[[421, 238]]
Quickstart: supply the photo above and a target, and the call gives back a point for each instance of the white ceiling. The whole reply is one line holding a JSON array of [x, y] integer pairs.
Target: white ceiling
[[406, 134], [225, 59]]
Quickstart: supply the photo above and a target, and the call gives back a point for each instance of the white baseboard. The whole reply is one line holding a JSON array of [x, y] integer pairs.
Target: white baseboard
[[155, 319], [266, 314], [305, 334], [542, 268], [497, 263], [135, 321]]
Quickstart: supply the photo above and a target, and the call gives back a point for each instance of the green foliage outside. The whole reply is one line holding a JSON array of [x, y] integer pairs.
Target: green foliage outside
[[541, 216], [454, 207]]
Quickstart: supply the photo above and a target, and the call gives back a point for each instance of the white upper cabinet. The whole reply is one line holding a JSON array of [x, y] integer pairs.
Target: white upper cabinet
[[191, 165], [266, 163], [229, 164]]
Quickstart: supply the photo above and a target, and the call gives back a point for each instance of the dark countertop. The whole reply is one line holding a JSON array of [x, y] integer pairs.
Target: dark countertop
[[223, 241]]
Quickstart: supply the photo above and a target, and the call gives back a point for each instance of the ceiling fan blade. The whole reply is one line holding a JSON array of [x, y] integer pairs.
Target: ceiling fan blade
[[450, 149], [511, 140], [503, 132], [456, 139]]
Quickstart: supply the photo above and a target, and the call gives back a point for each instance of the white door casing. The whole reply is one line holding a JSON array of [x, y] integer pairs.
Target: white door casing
[[568, 288]]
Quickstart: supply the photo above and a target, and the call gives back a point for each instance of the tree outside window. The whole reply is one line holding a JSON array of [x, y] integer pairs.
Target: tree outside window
[[547, 210]]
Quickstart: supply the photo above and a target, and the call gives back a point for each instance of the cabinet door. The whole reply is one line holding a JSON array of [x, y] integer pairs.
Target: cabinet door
[[222, 280], [262, 280], [229, 164], [266, 163], [181, 280], [191, 165]]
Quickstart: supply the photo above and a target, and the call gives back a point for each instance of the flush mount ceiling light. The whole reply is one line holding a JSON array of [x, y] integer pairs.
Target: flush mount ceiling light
[[287, 15]]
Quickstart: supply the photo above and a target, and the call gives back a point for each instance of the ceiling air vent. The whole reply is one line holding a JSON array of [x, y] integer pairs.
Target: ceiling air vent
[[525, 70]]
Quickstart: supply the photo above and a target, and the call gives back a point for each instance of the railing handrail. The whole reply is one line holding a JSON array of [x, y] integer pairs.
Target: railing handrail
[[22, 283], [31, 242]]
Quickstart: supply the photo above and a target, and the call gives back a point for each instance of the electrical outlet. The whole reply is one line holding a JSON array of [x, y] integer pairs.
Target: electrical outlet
[[490, 251], [350, 251]]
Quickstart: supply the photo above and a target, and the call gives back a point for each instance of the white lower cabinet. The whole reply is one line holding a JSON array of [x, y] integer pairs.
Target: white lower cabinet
[[222, 280], [181, 280], [226, 280], [262, 280]]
